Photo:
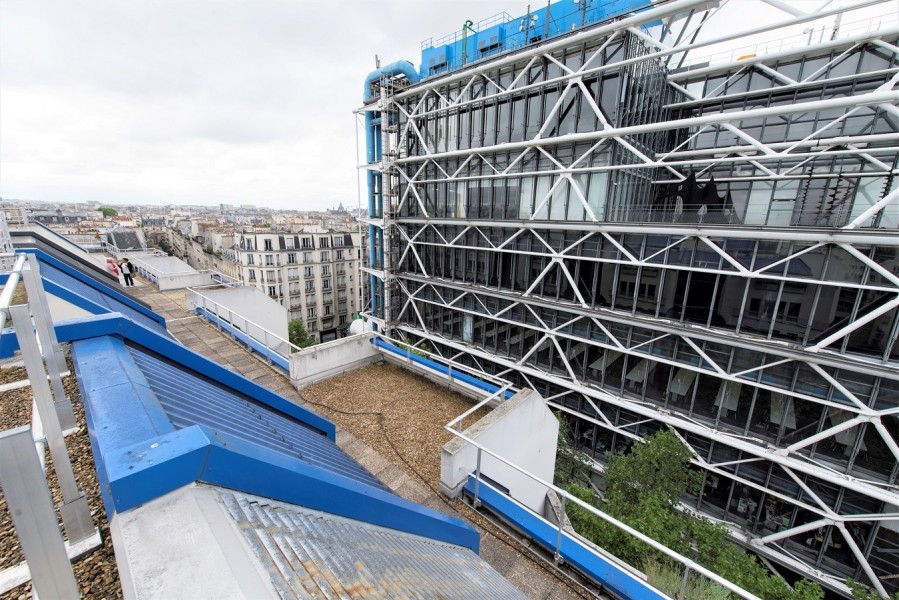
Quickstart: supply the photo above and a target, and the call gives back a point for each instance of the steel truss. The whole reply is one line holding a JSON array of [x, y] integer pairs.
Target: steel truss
[[419, 158], [788, 458], [765, 162]]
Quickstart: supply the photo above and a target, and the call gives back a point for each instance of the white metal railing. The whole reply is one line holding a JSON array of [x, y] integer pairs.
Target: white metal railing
[[272, 344], [168, 280], [689, 564], [455, 427], [812, 35], [454, 369], [22, 476], [6, 247]]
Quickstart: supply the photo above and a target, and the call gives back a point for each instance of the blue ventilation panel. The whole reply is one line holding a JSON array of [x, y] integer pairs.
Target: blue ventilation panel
[[64, 280], [190, 399]]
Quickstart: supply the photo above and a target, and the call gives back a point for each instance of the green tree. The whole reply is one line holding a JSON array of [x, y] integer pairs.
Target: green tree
[[643, 489], [298, 335], [572, 465], [862, 592], [108, 211]]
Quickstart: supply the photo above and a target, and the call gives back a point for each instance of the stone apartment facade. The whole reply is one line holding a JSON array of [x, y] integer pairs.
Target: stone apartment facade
[[314, 275]]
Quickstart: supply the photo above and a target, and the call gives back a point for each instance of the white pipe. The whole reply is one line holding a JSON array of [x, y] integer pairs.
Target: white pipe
[[9, 288], [747, 232], [871, 98], [832, 141], [848, 424], [782, 54], [874, 209], [774, 537], [854, 326], [707, 161]]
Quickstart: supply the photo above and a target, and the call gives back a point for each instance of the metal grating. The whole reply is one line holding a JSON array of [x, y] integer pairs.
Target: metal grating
[[63, 279], [189, 399], [309, 554]]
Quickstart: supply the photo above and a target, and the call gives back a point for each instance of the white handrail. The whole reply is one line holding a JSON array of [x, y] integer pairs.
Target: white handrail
[[9, 288], [498, 381], [231, 314], [687, 562]]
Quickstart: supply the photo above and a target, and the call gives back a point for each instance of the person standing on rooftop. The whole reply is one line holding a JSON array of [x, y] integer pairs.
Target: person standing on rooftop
[[127, 271]]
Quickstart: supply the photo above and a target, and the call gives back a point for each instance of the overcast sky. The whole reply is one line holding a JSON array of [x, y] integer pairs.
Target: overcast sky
[[200, 102]]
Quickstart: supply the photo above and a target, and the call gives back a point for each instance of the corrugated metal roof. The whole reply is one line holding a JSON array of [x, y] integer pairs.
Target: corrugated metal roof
[[308, 554], [63, 279], [190, 399]]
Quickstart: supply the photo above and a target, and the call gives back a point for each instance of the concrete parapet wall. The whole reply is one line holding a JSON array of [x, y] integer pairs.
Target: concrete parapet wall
[[168, 272], [523, 431], [332, 358]]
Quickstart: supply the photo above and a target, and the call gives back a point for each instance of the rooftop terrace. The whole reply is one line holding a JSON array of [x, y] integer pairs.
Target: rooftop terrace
[[390, 421]]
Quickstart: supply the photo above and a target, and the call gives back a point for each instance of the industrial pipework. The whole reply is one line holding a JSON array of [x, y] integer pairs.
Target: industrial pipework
[[373, 154]]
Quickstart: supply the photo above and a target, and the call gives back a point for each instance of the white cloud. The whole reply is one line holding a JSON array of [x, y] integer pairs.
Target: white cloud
[[202, 101], [198, 101]]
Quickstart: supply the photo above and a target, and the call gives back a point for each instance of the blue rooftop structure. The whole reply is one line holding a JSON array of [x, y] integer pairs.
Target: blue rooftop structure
[[159, 424], [500, 33], [188, 453], [91, 294]]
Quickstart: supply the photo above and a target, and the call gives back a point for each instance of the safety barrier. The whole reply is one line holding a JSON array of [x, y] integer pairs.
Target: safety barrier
[[22, 475]]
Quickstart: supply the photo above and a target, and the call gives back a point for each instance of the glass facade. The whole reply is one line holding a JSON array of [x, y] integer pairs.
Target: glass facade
[[650, 246]]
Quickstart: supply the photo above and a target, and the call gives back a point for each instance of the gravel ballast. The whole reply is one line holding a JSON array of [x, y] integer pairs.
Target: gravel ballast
[[96, 572]]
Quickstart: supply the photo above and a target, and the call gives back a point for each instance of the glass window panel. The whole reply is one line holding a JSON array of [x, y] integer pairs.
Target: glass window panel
[[874, 458], [544, 183], [758, 203], [887, 394], [706, 392]]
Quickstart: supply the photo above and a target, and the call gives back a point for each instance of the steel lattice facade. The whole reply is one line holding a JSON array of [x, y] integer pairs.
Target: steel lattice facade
[[712, 247]]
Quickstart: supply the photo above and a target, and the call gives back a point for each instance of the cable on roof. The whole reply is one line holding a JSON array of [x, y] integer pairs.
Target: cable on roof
[[481, 521]]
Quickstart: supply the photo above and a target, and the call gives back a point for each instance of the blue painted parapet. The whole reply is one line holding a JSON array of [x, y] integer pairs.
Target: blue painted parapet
[[440, 368], [245, 339], [618, 580]]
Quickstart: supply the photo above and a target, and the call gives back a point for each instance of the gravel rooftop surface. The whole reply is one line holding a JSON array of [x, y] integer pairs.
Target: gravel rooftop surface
[[95, 572], [402, 419], [414, 412]]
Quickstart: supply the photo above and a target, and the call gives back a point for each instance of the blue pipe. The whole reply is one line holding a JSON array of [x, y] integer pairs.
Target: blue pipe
[[440, 368], [373, 152], [400, 67]]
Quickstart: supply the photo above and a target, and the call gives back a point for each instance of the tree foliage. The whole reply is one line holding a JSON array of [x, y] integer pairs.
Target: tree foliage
[[572, 465], [108, 211], [862, 592], [643, 490], [298, 335]]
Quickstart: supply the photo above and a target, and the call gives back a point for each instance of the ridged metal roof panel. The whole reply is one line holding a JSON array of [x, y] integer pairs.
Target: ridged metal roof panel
[[190, 399], [63, 279], [309, 554]]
